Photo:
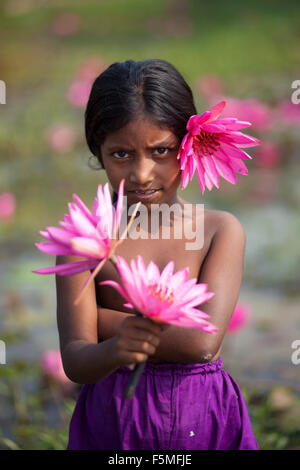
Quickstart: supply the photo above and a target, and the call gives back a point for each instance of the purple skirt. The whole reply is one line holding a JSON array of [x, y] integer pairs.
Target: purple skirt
[[175, 407]]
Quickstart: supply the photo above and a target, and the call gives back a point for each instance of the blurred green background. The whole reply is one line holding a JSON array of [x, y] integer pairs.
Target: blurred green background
[[246, 53]]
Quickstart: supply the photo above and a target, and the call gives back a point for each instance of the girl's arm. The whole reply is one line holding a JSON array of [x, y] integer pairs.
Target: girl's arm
[[222, 271], [84, 359]]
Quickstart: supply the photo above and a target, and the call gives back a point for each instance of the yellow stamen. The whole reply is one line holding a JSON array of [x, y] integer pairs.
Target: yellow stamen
[[161, 293]]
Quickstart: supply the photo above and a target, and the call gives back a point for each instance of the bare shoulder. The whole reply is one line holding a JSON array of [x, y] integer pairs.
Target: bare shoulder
[[227, 247], [224, 222]]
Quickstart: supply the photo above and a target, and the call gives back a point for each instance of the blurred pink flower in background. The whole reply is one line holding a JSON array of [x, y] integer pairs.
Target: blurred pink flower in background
[[61, 137], [239, 319], [210, 86], [258, 113], [78, 93], [90, 69], [51, 364], [268, 155], [288, 112], [7, 207], [66, 24], [79, 90]]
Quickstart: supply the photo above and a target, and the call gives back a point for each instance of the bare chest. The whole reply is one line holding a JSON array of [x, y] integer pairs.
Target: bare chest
[[184, 251]]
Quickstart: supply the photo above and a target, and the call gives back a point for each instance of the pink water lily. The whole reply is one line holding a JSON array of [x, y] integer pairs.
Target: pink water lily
[[91, 235], [166, 297], [212, 147]]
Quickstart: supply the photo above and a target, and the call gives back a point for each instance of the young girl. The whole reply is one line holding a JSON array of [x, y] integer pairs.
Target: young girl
[[135, 120]]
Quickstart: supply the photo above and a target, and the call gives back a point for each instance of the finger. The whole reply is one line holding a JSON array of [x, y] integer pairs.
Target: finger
[[143, 335], [129, 358], [147, 324], [134, 345]]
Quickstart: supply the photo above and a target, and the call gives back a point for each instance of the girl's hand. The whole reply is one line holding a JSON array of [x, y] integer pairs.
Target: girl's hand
[[136, 340]]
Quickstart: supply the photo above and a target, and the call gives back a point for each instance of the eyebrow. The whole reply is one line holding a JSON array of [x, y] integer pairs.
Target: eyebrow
[[164, 143]]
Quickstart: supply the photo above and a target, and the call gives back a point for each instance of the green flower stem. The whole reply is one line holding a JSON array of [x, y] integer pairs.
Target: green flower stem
[[138, 370], [135, 376]]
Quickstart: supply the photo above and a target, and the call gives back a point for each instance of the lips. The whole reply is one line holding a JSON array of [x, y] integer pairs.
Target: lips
[[143, 191], [149, 191], [144, 194]]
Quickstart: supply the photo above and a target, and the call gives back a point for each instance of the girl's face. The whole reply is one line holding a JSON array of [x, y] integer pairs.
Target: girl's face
[[146, 156]]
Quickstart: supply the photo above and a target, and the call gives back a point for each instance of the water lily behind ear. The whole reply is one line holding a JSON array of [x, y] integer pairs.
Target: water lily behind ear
[[212, 147]]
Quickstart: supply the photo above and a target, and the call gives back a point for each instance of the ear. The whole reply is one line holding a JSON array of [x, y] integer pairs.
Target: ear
[[99, 156]]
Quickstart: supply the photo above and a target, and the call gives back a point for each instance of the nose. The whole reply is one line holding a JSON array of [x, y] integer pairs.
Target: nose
[[142, 171]]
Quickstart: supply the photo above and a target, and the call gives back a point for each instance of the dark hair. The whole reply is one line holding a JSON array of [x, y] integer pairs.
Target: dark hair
[[128, 89]]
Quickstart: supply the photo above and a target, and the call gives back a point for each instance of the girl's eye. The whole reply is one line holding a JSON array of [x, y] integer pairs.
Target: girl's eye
[[121, 154], [162, 150]]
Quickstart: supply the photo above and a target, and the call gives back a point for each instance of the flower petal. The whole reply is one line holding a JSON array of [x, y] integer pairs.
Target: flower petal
[[89, 247], [238, 166], [240, 139], [195, 122], [200, 174], [116, 286], [216, 111], [68, 269], [225, 170], [213, 127], [52, 248], [232, 151], [210, 169], [83, 208], [167, 272], [119, 208], [208, 182], [179, 277], [184, 178], [82, 224], [60, 236]]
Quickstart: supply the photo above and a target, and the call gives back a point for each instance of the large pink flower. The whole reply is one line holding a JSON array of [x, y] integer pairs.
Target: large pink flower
[[91, 235], [212, 148], [166, 297]]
